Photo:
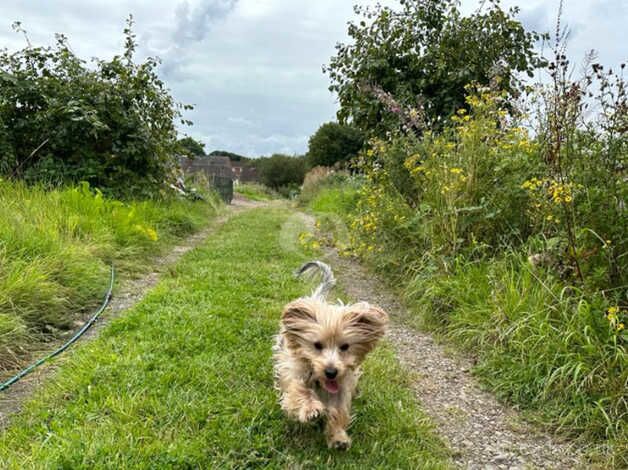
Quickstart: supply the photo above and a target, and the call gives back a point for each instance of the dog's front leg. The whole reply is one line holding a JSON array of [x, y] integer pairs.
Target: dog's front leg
[[338, 420], [300, 402]]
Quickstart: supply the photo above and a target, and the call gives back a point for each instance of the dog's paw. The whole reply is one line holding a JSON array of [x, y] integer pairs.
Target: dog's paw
[[341, 441], [310, 411]]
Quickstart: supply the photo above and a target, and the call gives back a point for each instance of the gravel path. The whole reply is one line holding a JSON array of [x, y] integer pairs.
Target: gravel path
[[482, 433]]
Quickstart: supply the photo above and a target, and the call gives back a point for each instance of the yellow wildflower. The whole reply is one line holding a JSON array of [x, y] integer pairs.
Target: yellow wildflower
[[151, 234]]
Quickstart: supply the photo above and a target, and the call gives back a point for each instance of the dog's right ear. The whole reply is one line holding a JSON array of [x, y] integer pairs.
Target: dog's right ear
[[298, 311], [298, 317]]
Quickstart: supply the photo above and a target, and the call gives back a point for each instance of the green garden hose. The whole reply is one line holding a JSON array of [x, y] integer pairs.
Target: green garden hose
[[66, 345]]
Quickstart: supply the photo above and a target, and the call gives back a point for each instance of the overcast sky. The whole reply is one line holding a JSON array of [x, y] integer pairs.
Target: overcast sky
[[252, 68]]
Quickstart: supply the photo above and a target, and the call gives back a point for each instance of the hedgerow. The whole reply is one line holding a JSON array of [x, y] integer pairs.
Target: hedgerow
[[110, 123]]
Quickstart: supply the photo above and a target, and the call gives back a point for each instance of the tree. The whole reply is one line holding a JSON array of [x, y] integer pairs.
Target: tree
[[234, 157], [423, 56], [281, 171], [333, 143], [192, 147]]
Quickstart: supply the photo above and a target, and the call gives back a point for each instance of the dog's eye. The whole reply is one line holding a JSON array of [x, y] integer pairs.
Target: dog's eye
[[344, 347], [318, 345]]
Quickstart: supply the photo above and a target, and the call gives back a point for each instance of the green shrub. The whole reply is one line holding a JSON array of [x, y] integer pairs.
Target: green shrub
[[334, 144], [64, 121], [425, 52]]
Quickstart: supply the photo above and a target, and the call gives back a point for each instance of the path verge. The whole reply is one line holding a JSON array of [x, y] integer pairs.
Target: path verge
[[482, 433]]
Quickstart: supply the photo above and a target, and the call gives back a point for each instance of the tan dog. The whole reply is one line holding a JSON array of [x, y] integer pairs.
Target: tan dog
[[318, 354]]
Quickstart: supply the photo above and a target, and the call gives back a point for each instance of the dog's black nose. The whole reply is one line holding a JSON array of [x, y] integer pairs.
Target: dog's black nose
[[331, 372]]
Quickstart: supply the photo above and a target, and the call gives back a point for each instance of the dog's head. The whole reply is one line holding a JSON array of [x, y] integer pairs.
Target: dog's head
[[332, 339]]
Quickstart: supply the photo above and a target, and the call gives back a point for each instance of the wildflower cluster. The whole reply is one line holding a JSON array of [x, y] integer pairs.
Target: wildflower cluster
[[471, 185], [556, 191], [379, 209], [455, 171], [365, 225], [308, 241], [546, 196], [616, 317], [412, 119], [148, 232]]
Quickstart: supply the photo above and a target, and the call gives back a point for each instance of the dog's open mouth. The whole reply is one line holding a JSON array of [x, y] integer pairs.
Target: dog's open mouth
[[331, 385]]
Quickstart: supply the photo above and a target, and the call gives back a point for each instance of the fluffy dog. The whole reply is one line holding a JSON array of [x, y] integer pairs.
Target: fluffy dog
[[318, 353]]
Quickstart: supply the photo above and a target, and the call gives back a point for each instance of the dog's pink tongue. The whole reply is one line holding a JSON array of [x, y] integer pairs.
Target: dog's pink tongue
[[331, 386]]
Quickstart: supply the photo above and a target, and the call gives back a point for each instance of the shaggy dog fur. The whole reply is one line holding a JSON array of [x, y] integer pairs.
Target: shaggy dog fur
[[318, 353]]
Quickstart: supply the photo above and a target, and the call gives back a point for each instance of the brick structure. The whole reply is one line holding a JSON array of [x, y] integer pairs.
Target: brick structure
[[217, 170]]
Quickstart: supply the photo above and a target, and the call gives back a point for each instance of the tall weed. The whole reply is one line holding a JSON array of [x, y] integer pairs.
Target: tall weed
[[56, 248]]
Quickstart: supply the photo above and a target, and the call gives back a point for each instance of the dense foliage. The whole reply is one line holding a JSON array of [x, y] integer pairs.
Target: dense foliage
[[282, 173], [233, 156], [191, 147], [423, 55], [334, 143], [111, 124]]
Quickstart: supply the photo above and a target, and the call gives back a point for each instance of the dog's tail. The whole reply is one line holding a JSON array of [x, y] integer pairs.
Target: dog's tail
[[328, 281]]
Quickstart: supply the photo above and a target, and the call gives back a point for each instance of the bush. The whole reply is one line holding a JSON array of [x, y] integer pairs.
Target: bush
[[425, 52], [281, 172], [191, 147], [513, 243], [62, 121]]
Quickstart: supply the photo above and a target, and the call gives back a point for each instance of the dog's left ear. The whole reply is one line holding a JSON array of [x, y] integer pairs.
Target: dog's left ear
[[366, 320]]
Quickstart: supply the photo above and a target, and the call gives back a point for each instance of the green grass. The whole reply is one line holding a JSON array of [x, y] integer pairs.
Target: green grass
[[56, 248], [553, 354], [256, 192], [334, 199], [184, 379]]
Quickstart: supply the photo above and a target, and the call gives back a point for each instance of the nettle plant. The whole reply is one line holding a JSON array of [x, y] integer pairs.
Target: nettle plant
[[111, 123]]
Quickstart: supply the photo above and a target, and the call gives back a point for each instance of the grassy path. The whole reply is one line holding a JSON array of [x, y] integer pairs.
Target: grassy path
[[184, 379]]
